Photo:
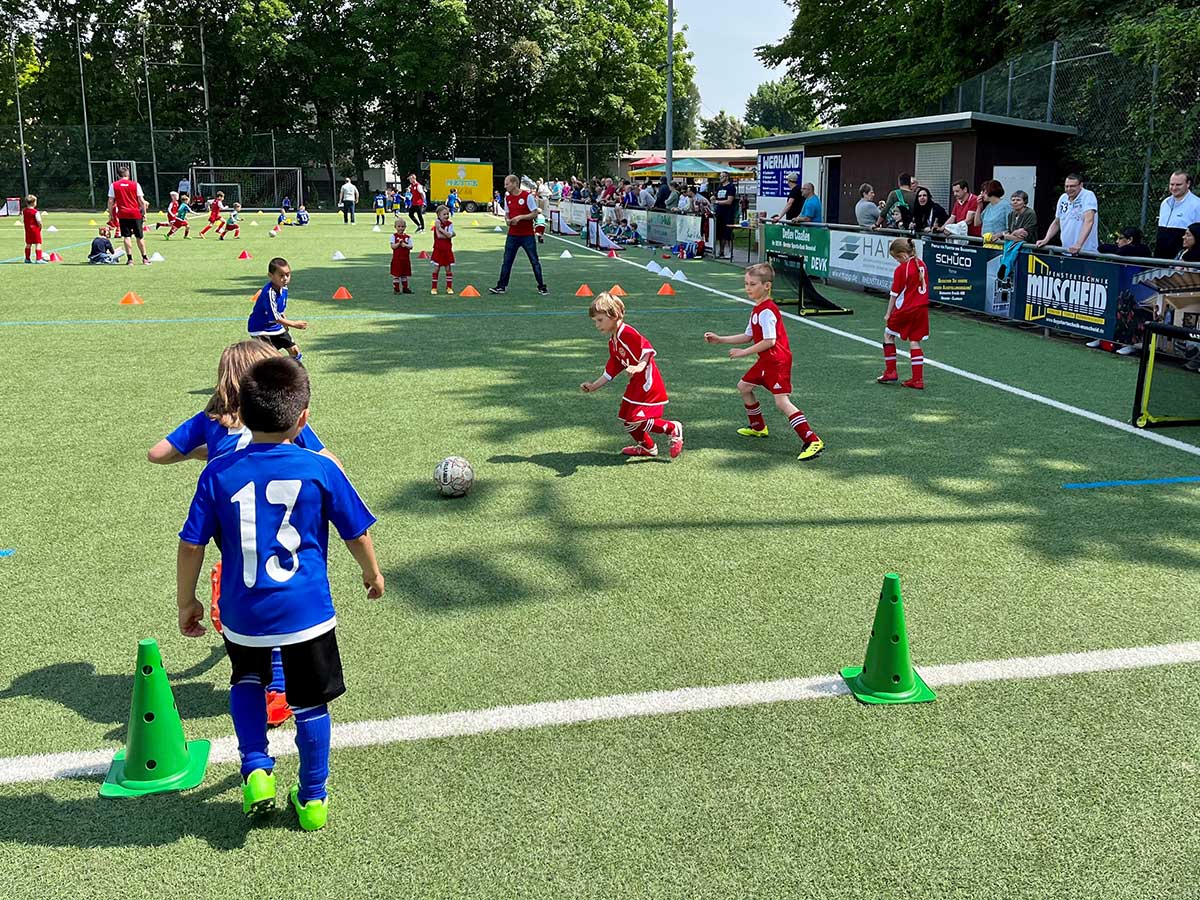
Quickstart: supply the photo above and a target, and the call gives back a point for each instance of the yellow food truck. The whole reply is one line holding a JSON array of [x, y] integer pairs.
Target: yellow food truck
[[473, 180]]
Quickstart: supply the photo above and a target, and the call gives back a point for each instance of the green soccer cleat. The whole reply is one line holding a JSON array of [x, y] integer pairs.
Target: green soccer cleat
[[258, 793], [314, 814], [752, 432], [811, 449]]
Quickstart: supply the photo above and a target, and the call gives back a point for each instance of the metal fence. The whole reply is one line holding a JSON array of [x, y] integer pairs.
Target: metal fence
[[1133, 132]]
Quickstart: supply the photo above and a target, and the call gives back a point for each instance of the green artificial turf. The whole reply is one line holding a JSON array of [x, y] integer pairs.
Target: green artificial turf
[[569, 572]]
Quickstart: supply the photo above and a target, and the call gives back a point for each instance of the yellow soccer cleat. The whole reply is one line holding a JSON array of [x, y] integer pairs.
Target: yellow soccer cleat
[[752, 432], [812, 449], [434, 292]]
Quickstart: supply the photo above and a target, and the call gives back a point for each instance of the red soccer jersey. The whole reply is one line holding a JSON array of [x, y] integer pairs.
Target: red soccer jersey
[[126, 194], [214, 210], [625, 348], [766, 322], [443, 247], [402, 257], [29, 216], [911, 284], [173, 209], [961, 208], [521, 204]]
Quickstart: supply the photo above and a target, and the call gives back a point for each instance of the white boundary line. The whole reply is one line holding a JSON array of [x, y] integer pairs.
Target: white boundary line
[[954, 370], [47, 767]]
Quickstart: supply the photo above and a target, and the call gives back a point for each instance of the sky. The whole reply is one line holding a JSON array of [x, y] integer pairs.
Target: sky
[[723, 37]]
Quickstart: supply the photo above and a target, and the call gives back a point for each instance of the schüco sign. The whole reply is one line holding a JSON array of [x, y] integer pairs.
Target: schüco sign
[[950, 258]]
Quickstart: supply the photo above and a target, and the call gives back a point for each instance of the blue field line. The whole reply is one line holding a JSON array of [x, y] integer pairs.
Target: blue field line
[[1083, 485], [4, 553], [377, 315], [21, 259]]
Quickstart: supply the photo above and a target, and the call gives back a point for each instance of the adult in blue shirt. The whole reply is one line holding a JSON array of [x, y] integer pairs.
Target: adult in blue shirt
[[811, 210]]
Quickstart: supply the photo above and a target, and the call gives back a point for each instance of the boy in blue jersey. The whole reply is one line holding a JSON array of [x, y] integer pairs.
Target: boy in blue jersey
[[301, 217], [274, 533], [452, 201], [380, 207], [267, 322], [397, 201]]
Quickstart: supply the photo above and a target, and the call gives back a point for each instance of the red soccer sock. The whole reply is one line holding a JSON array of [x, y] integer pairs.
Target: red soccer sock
[[754, 414], [28, 251], [918, 365], [800, 425], [889, 360], [404, 281], [435, 275], [661, 426], [205, 230], [449, 278], [39, 254], [640, 432]]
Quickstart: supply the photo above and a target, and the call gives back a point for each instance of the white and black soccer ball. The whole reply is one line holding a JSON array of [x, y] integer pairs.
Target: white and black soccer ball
[[454, 476]]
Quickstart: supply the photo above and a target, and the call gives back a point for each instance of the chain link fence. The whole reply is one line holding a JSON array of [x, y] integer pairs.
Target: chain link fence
[[1133, 132]]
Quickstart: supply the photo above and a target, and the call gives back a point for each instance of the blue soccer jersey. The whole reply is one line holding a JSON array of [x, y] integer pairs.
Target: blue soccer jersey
[[380, 202], [270, 305], [302, 217], [201, 431], [269, 508], [184, 211]]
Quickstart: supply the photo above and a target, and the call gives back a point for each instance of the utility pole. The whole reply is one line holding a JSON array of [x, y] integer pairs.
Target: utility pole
[[204, 83], [20, 120], [87, 140], [150, 114], [670, 89]]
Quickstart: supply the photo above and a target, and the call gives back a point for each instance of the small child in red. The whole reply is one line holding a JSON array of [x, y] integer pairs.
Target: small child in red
[[907, 314], [401, 245], [773, 370], [443, 249], [215, 208], [33, 229], [646, 394]]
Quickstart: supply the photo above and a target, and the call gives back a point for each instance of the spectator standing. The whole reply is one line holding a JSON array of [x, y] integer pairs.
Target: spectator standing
[[866, 210], [416, 211], [726, 206], [811, 210], [1076, 218], [902, 199], [700, 203], [1180, 209], [991, 213], [646, 197], [662, 194], [964, 204], [684, 204], [521, 209], [927, 215], [673, 197], [349, 197], [127, 204], [795, 199], [185, 185], [1022, 221]]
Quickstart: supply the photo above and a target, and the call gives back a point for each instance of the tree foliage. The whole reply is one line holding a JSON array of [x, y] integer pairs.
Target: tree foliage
[[722, 131], [780, 107]]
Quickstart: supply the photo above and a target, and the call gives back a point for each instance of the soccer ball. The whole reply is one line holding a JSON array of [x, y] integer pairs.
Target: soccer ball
[[453, 476]]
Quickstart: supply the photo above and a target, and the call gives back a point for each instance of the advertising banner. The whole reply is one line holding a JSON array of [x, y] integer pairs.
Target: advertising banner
[[862, 258], [687, 228], [772, 179], [969, 276], [800, 240], [1070, 294], [637, 217], [660, 227]]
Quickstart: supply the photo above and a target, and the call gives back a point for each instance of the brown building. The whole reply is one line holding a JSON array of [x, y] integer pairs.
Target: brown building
[[937, 150]]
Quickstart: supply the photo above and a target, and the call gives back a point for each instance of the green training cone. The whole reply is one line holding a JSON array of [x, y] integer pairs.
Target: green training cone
[[156, 758], [888, 675]]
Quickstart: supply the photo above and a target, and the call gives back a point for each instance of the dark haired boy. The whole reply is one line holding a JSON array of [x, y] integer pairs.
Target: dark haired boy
[[269, 508], [267, 322]]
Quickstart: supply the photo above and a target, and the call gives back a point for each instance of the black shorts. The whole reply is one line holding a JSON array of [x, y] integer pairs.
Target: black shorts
[[724, 229], [131, 228], [312, 670], [281, 341]]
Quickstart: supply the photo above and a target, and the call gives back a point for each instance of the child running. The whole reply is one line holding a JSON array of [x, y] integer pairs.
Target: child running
[[773, 371], [180, 219], [443, 249], [646, 394], [216, 431], [401, 244], [267, 322], [233, 223], [273, 531], [172, 212], [214, 215], [32, 218], [907, 314]]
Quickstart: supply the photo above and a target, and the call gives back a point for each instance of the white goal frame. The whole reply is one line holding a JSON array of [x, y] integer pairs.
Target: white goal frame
[[222, 177]]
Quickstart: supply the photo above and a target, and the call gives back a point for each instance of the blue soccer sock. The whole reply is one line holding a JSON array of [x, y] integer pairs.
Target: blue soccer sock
[[312, 740], [276, 671], [248, 707]]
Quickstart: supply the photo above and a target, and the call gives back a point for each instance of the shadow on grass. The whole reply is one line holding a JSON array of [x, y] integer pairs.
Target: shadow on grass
[[564, 464], [154, 821], [104, 699]]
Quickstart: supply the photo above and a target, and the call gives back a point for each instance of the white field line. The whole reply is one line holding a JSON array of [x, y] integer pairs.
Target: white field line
[[46, 767], [999, 385]]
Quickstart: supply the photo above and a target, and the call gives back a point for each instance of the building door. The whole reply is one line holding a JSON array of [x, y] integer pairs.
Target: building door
[[1017, 178], [831, 188], [933, 169]]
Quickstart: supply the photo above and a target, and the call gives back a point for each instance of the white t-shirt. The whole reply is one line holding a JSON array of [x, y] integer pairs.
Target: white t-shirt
[[1179, 213], [1070, 219], [349, 192]]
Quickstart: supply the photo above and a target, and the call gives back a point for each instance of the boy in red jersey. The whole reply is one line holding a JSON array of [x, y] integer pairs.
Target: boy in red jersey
[[773, 370], [214, 215], [646, 395], [401, 244], [33, 229], [172, 212], [443, 249], [907, 314]]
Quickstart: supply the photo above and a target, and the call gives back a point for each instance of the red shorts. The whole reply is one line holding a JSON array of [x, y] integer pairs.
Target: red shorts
[[639, 412], [33, 235], [775, 378], [401, 266], [909, 323], [442, 256]]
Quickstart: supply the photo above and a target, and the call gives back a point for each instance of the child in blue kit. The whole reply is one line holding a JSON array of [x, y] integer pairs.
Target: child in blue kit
[[269, 507], [267, 322]]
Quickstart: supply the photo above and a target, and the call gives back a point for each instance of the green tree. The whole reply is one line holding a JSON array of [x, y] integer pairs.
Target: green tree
[[722, 131], [687, 109], [781, 107]]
